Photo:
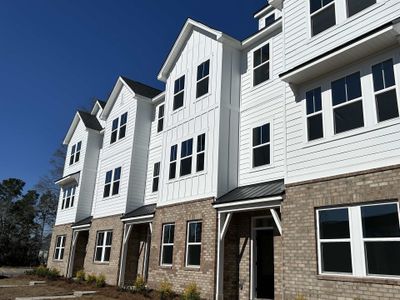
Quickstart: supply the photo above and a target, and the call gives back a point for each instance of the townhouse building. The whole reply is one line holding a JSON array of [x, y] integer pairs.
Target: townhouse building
[[268, 168]]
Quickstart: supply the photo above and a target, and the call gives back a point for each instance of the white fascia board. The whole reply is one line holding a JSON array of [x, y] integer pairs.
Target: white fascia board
[[113, 96], [71, 129], [247, 202], [159, 98], [96, 108], [81, 227], [264, 11], [140, 219], [73, 178], [261, 34]]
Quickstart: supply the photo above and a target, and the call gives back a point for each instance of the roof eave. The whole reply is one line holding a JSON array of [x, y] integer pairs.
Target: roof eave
[[71, 129], [262, 33]]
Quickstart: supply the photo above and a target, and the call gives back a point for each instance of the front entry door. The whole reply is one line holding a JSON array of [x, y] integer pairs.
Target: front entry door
[[265, 264]]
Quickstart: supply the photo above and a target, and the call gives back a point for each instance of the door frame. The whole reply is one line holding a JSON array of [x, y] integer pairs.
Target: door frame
[[253, 253]]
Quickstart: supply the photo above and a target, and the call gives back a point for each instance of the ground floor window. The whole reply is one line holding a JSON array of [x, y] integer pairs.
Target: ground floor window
[[362, 240], [103, 246], [167, 244], [60, 246], [193, 244]]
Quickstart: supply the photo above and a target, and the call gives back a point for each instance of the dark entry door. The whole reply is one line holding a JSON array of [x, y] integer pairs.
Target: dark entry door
[[265, 264]]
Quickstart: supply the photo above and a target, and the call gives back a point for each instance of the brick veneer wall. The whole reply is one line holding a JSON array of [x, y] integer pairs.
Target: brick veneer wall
[[179, 275], [109, 269], [60, 265], [299, 234]]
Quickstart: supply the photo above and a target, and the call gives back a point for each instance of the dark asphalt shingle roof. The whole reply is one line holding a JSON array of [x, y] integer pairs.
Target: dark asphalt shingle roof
[[90, 121], [141, 211], [254, 191], [141, 88], [85, 221]]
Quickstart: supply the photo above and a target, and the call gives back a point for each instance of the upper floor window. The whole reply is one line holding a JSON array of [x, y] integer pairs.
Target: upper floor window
[[203, 76], [59, 248], [160, 122], [75, 153], [261, 65], [201, 147], [68, 197], [179, 92], [359, 240], [355, 6], [314, 114], [347, 103], [385, 90], [261, 145], [322, 13], [172, 161], [186, 157], [167, 244], [269, 20], [112, 182], [156, 176], [103, 246], [118, 130], [193, 244]]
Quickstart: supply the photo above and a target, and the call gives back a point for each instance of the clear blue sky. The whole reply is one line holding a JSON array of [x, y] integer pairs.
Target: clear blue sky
[[57, 55]]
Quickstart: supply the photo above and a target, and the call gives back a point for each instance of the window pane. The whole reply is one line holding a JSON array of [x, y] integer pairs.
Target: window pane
[[334, 224], [169, 233], [107, 189], [200, 162], [257, 57], [338, 91], [198, 232], [186, 166], [161, 111], [113, 136], [61, 253], [107, 252], [77, 155], [78, 147], [187, 148], [265, 133], [353, 85], [269, 20], [202, 87], [387, 105], [172, 170], [122, 132], [57, 253], [173, 153], [59, 241], [388, 73], [355, 6], [201, 142], [195, 232], [323, 20], [378, 77], [160, 125], [100, 238], [256, 136], [117, 174], [193, 258], [109, 238], [261, 74], [98, 254], [124, 118], [155, 185], [115, 189], [380, 221], [167, 255], [336, 257], [115, 124], [261, 156], [314, 125], [179, 84], [178, 101], [156, 170], [349, 117], [383, 258], [317, 4], [203, 69], [63, 242], [313, 101]]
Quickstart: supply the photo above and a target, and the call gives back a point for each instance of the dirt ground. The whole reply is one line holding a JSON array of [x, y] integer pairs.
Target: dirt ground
[[64, 287]]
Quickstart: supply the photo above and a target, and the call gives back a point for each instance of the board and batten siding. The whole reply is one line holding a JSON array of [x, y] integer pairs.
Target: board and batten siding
[[372, 146], [301, 47], [262, 104]]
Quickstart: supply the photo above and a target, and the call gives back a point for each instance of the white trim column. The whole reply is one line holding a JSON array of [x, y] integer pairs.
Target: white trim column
[[147, 253], [127, 232]]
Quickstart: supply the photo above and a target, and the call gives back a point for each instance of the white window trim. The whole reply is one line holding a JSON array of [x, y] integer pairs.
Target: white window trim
[[307, 116], [118, 129], [59, 248], [74, 151], [71, 197], [271, 150], [193, 243], [103, 246], [261, 84], [359, 263], [181, 91], [112, 182], [199, 62], [186, 157], [176, 160], [166, 244]]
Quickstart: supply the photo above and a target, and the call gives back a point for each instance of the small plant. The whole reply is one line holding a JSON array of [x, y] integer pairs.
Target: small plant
[[166, 290], [300, 297], [80, 275], [100, 281], [42, 271], [191, 292], [53, 274], [91, 278], [140, 284]]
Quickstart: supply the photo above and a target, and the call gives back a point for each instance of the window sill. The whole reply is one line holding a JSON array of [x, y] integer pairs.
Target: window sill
[[202, 97], [349, 278], [58, 260], [110, 197], [191, 268], [260, 168], [166, 267], [174, 112], [106, 263]]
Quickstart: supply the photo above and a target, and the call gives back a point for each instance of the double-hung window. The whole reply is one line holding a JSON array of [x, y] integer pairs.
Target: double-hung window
[[103, 246], [112, 182], [59, 248], [186, 157], [347, 103], [323, 16], [75, 153], [203, 78], [261, 145], [118, 129], [167, 244], [261, 65], [361, 240], [201, 147], [156, 176], [68, 197], [193, 244], [160, 119], [385, 90], [355, 6], [172, 161], [314, 114], [179, 92]]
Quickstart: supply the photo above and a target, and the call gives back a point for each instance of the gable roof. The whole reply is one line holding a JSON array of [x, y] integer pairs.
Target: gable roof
[[90, 122], [185, 33], [141, 89]]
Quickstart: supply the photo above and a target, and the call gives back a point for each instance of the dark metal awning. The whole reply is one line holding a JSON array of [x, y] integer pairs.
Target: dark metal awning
[[141, 213], [86, 222]]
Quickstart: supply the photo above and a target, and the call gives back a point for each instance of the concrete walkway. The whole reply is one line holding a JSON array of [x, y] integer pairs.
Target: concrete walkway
[[13, 271], [74, 295]]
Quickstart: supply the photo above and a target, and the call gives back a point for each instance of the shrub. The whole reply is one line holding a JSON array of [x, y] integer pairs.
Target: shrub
[[53, 274], [139, 284], [81, 275], [90, 278], [100, 281], [42, 271], [191, 292], [166, 290]]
